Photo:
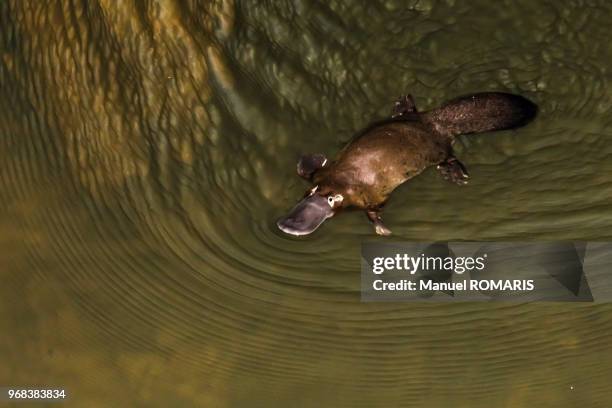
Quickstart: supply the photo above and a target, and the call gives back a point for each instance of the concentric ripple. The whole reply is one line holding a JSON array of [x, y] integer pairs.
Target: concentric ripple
[[149, 147]]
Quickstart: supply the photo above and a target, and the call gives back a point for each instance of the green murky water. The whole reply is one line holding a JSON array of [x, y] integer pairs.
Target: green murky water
[[147, 149]]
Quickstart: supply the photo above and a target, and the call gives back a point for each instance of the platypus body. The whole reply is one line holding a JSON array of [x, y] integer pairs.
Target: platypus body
[[388, 153]]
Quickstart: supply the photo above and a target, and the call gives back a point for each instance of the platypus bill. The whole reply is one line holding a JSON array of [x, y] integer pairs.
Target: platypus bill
[[388, 153]]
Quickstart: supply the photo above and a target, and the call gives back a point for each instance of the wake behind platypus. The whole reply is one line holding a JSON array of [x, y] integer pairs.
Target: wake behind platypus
[[388, 153]]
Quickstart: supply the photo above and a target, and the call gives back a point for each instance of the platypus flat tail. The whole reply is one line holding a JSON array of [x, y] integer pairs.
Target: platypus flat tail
[[481, 112]]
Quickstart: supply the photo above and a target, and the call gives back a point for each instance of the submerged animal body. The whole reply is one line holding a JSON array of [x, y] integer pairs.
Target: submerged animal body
[[390, 152]]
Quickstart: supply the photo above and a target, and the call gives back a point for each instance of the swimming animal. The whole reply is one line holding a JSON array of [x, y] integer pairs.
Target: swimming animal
[[389, 152]]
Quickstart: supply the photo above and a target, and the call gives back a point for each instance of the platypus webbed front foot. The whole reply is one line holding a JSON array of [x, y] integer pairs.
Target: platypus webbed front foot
[[309, 164], [403, 106], [379, 227], [454, 171]]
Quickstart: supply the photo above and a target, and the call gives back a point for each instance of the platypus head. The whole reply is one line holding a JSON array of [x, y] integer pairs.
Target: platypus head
[[316, 206]]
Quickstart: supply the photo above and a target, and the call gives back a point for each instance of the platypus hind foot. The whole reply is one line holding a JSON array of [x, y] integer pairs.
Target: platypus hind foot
[[309, 164], [379, 227], [454, 171], [403, 106]]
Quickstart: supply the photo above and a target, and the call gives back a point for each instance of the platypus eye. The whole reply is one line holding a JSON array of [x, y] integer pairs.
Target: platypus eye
[[332, 200]]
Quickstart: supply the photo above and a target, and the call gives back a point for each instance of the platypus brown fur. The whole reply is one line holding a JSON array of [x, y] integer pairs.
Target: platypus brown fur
[[389, 152]]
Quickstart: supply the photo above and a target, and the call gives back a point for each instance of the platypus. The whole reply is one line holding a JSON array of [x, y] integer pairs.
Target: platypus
[[389, 152]]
